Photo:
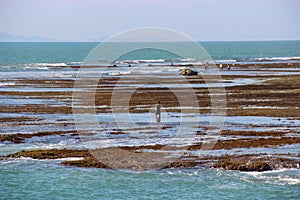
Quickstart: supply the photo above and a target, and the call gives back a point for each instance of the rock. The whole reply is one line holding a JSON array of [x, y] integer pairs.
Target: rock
[[86, 162], [259, 166], [188, 72], [181, 164], [20, 138], [117, 133], [231, 164], [50, 154]]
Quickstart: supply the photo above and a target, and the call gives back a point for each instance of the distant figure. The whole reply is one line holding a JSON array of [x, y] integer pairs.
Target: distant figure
[[228, 67], [221, 66], [206, 65], [158, 113]]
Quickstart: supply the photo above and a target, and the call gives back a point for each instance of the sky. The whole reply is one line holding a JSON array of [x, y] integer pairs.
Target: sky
[[203, 20]]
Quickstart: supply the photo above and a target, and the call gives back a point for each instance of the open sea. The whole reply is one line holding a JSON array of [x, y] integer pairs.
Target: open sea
[[28, 178], [35, 54]]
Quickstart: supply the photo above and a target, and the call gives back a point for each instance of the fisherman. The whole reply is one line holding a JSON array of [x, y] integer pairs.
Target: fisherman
[[228, 67], [206, 65], [158, 113]]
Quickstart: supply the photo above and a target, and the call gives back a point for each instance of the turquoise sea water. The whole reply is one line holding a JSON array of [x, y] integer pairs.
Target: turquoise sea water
[[48, 179], [26, 53], [34, 179]]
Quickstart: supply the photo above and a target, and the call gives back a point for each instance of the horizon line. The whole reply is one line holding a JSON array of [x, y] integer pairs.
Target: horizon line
[[258, 40]]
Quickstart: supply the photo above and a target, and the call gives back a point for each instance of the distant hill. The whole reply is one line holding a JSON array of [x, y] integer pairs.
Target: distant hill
[[5, 37]]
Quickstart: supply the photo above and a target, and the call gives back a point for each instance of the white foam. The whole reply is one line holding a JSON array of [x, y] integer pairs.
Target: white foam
[[141, 61], [119, 73], [152, 61], [255, 173], [74, 63], [285, 58], [224, 61], [188, 60], [45, 65], [277, 177], [5, 84], [34, 159], [69, 159], [43, 68], [291, 181]]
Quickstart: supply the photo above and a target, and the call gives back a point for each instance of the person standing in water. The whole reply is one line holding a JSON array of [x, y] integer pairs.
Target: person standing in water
[[228, 67], [206, 65], [158, 113]]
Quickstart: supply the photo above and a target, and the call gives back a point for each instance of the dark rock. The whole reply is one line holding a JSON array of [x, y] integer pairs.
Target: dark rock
[[188, 72], [86, 162], [182, 164], [50, 154], [20, 138], [230, 164]]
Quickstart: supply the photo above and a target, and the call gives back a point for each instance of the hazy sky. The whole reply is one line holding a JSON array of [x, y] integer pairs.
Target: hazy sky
[[83, 20]]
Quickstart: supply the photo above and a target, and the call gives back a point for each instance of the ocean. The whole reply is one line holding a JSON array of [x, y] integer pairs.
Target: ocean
[[27, 178], [51, 54]]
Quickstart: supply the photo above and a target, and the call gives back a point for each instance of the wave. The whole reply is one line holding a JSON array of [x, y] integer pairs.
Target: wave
[[187, 60], [149, 62], [46, 65], [32, 66], [258, 60], [192, 61], [141, 61], [280, 58], [73, 63], [175, 60], [225, 61], [269, 59], [284, 176], [35, 65]]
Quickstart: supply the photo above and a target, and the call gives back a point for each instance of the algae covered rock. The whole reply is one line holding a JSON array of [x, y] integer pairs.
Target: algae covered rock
[[188, 72]]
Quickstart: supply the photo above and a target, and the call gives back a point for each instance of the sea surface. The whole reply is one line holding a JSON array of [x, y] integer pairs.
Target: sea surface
[[35, 54], [27, 178]]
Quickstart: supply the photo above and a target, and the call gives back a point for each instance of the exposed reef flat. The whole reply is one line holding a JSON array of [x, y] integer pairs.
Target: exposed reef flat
[[247, 162], [261, 130]]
